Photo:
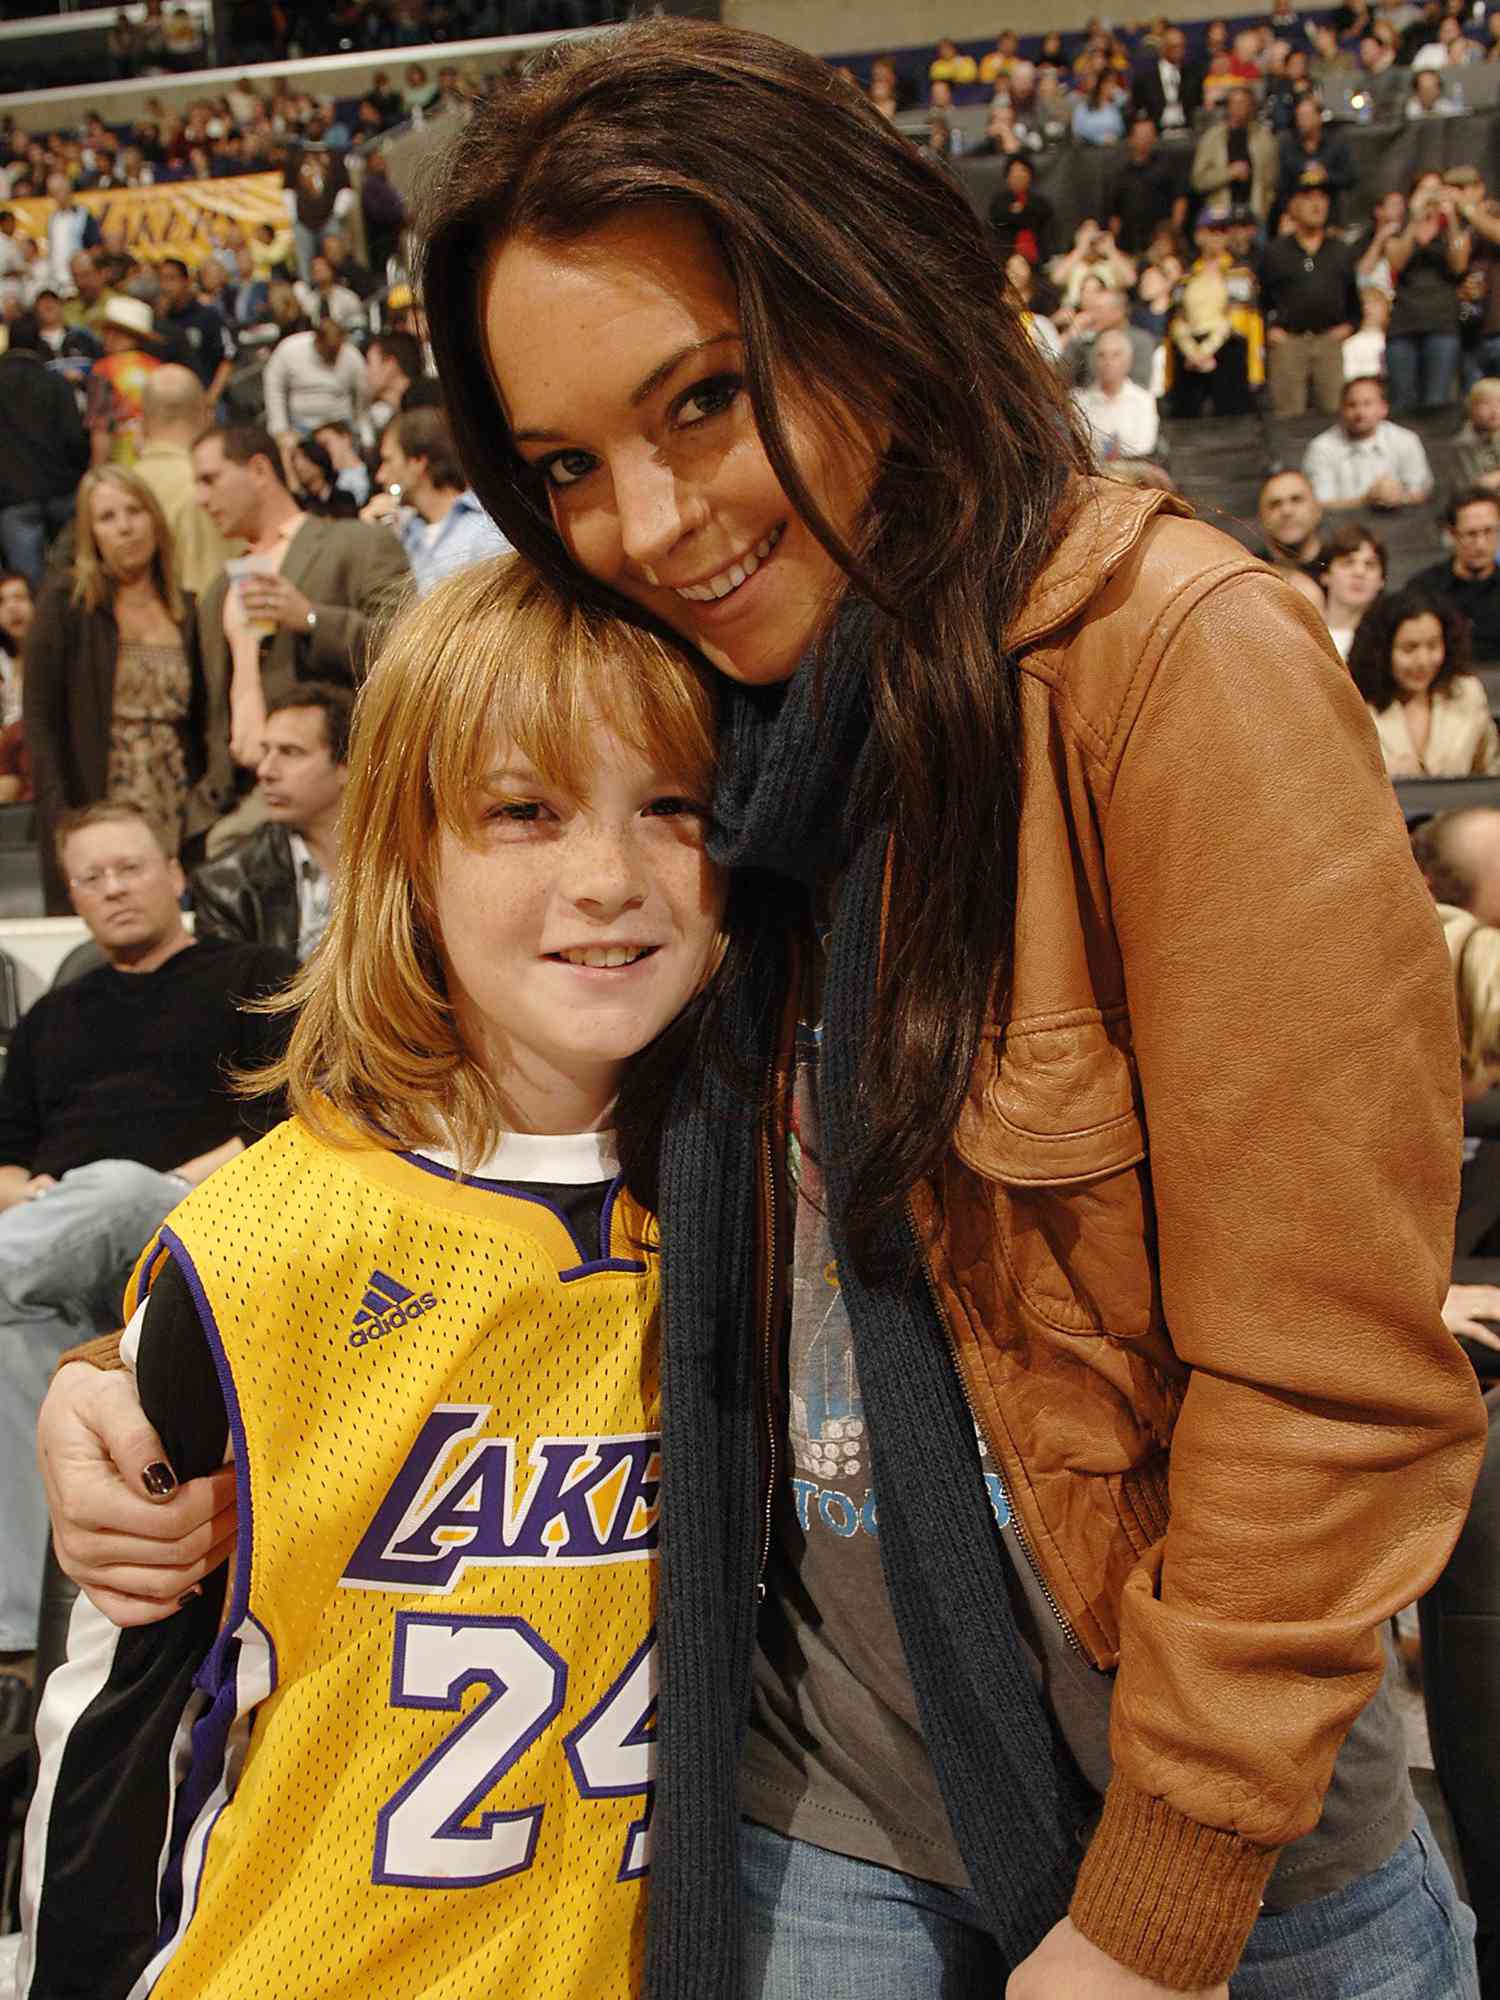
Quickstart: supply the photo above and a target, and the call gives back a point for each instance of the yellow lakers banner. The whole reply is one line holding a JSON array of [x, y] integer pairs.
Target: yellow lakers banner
[[182, 219]]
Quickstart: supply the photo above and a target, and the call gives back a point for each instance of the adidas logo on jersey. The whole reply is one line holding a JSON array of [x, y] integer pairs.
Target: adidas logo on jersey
[[387, 1305]]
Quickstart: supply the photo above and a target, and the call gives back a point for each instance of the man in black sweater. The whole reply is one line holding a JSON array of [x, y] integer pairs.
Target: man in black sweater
[[1469, 580], [116, 1099], [44, 451]]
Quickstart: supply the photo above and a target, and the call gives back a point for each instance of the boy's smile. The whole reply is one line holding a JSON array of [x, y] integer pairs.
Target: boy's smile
[[575, 929]]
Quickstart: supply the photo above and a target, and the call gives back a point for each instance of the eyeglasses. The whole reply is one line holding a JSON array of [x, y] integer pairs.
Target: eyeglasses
[[126, 873]]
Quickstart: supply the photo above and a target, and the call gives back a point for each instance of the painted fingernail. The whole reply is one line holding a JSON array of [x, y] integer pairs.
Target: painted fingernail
[[159, 1480], [188, 1595]]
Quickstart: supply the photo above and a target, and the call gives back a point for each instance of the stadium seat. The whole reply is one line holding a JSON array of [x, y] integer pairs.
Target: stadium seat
[[82, 958]]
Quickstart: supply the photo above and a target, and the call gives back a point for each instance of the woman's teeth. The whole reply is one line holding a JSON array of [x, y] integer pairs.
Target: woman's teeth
[[737, 573], [604, 954]]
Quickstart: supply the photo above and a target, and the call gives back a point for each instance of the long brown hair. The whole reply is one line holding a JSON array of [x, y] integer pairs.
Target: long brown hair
[[492, 652], [863, 278], [93, 586]]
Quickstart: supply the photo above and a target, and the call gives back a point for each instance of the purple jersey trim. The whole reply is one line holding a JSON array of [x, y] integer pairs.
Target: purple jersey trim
[[590, 1265], [218, 1677]]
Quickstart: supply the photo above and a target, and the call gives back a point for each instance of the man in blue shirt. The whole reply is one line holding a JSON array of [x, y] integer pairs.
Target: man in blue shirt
[[443, 526]]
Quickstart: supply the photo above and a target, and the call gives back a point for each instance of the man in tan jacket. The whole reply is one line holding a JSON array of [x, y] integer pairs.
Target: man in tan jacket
[[1237, 161]]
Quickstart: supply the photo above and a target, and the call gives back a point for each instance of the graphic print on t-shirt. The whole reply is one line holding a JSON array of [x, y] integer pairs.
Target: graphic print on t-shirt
[[832, 1481]]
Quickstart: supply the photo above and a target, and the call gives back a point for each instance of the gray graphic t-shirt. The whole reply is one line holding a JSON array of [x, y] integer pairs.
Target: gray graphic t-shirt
[[834, 1753]]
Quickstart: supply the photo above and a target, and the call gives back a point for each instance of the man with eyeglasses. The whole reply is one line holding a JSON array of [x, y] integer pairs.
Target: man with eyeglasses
[[116, 1099]]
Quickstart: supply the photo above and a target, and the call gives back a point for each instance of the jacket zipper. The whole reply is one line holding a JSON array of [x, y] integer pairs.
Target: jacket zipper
[[1015, 1519], [767, 1335]]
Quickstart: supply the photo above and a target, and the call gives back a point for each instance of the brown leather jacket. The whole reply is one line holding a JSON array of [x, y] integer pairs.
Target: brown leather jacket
[[1195, 1233]]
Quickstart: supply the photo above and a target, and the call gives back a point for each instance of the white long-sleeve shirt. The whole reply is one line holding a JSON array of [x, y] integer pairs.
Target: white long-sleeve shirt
[[303, 391]]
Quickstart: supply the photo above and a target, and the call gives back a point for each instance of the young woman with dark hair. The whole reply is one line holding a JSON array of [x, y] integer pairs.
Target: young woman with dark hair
[[1410, 660], [1353, 573], [1070, 1055]]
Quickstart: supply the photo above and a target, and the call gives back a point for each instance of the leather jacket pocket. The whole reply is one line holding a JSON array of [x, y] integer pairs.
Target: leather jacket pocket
[[1053, 1121]]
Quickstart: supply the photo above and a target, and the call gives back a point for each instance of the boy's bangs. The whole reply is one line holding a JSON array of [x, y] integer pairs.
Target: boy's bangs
[[525, 672]]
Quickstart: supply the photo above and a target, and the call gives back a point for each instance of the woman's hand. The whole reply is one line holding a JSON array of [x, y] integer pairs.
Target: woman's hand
[[1065, 1966], [123, 1529], [1466, 1306]]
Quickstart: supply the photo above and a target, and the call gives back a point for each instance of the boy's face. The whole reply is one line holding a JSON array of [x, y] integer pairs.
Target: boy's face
[[575, 930], [1485, 414]]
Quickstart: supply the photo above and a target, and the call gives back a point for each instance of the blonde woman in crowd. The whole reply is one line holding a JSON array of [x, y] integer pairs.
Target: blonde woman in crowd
[[113, 694]]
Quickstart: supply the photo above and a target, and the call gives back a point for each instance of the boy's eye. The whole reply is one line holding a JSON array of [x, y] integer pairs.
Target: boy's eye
[[672, 806], [566, 468], [709, 398]]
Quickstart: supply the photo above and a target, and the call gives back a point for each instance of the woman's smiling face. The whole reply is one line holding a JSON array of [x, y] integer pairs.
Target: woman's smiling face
[[620, 367]]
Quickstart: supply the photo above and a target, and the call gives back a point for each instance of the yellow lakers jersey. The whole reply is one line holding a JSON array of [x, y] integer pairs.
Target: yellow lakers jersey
[[424, 1765]]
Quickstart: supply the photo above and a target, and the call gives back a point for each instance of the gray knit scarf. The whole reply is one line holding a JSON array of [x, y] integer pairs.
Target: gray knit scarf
[[788, 756]]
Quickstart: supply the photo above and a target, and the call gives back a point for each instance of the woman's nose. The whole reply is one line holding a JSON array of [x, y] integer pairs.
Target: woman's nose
[[653, 513]]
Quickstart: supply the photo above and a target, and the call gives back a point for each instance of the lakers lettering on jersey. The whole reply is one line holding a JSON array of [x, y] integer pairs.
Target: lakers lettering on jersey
[[422, 1764]]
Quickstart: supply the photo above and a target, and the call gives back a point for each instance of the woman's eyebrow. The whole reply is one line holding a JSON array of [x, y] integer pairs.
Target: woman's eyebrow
[[673, 362], [644, 390]]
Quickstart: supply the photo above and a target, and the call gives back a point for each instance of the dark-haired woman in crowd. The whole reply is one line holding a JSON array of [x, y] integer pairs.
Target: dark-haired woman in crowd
[[1027, 1462], [1410, 660], [1354, 564], [114, 693], [17, 608], [317, 487]]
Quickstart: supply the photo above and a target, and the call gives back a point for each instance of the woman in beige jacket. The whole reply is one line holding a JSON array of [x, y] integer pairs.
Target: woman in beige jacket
[[1410, 660]]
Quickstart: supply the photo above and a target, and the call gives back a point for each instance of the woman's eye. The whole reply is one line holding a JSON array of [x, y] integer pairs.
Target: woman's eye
[[566, 468], [516, 812], [709, 399]]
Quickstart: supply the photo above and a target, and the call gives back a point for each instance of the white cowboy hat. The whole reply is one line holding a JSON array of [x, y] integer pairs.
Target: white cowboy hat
[[130, 316]]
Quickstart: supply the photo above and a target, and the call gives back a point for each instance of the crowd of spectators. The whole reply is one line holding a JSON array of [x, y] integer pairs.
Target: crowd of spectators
[[1231, 264], [213, 474], [165, 38]]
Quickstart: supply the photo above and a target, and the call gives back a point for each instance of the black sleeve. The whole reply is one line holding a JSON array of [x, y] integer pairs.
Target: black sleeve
[[73, 437], [213, 342], [54, 638], [177, 1380], [20, 1110], [260, 1038], [104, 1806]]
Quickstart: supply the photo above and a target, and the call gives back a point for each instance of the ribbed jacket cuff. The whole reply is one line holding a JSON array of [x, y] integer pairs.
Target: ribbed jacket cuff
[[1172, 1899], [101, 1353]]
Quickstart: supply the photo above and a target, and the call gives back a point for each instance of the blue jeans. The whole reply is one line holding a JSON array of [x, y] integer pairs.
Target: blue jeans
[[820, 1924], [27, 528], [64, 1262], [1422, 369]]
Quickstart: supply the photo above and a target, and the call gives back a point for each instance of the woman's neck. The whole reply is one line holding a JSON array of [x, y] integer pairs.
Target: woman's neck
[[137, 589]]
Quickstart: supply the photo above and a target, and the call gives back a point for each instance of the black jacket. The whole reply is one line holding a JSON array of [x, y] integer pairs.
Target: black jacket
[[1146, 93], [44, 451], [249, 895]]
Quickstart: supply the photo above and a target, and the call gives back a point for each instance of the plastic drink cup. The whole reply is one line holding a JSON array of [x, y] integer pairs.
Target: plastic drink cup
[[238, 568]]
